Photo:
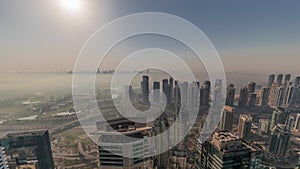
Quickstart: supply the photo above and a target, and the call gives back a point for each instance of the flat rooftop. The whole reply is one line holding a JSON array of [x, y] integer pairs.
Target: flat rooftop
[[25, 134]]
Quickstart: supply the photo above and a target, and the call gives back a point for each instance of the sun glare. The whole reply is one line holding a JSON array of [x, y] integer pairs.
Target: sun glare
[[71, 4]]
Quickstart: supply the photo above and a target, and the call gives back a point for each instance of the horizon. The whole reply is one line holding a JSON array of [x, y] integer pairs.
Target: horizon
[[42, 36]]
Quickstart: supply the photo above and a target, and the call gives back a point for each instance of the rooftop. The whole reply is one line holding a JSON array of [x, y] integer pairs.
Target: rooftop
[[25, 134]]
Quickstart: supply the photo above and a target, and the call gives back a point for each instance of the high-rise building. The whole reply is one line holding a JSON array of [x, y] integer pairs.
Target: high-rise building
[[279, 79], [297, 122], [271, 80], [273, 94], [264, 96], [205, 93], [251, 87], [291, 96], [276, 93], [171, 84], [217, 95], [167, 89], [290, 123], [243, 97], [264, 126], [178, 159], [279, 142], [225, 150], [230, 95], [251, 100], [226, 122], [156, 92], [287, 78], [279, 116], [117, 151], [145, 88], [3, 162], [244, 127], [297, 81], [184, 93], [31, 148], [177, 97], [161, 125], [193, 96]]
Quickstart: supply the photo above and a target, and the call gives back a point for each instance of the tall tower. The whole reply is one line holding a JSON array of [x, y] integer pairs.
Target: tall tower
[[243, 97], [271, 80], [279, 142], [167, 89], [251, 87], [204, 93], [230, 95], [279, 79], [244, 127], [264, 96], [145, 88], [251, 100], [290, 123], [279, 116], [297, 81], [297, 122], [192, 96], [291, 96], [287, 78], [177, 97], [171, 83], [226, 122], [273, 94], [156, 92]]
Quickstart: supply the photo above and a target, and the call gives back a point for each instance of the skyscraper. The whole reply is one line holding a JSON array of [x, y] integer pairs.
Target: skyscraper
[[145, 88], [184, 93], [264, 96], [251, 87], [166, 89], [291, 96], [297, 122], [156, 92], [31, 148], [287, 78], [225, 150], [243, 97], [297, 81], [244, 127], [273, 94], [279, 79], [279, 142], [171, 84], [264, 126], [227, 118], [251, 100], [290, 123], [271, 80], [205, 93], [193, 93], [230, 95], [279, 116], [177, 97]]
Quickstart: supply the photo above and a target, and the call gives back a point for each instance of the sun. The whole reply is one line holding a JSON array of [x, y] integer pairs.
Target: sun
[[71, 4]]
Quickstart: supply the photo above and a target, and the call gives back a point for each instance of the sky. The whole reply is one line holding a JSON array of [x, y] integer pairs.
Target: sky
[[250, 36]]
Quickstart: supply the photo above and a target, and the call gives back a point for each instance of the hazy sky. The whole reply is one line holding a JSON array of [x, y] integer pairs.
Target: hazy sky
[[250, 36]]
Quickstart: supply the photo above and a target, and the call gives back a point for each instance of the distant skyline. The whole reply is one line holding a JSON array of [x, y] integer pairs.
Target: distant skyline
[[250, 36]]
